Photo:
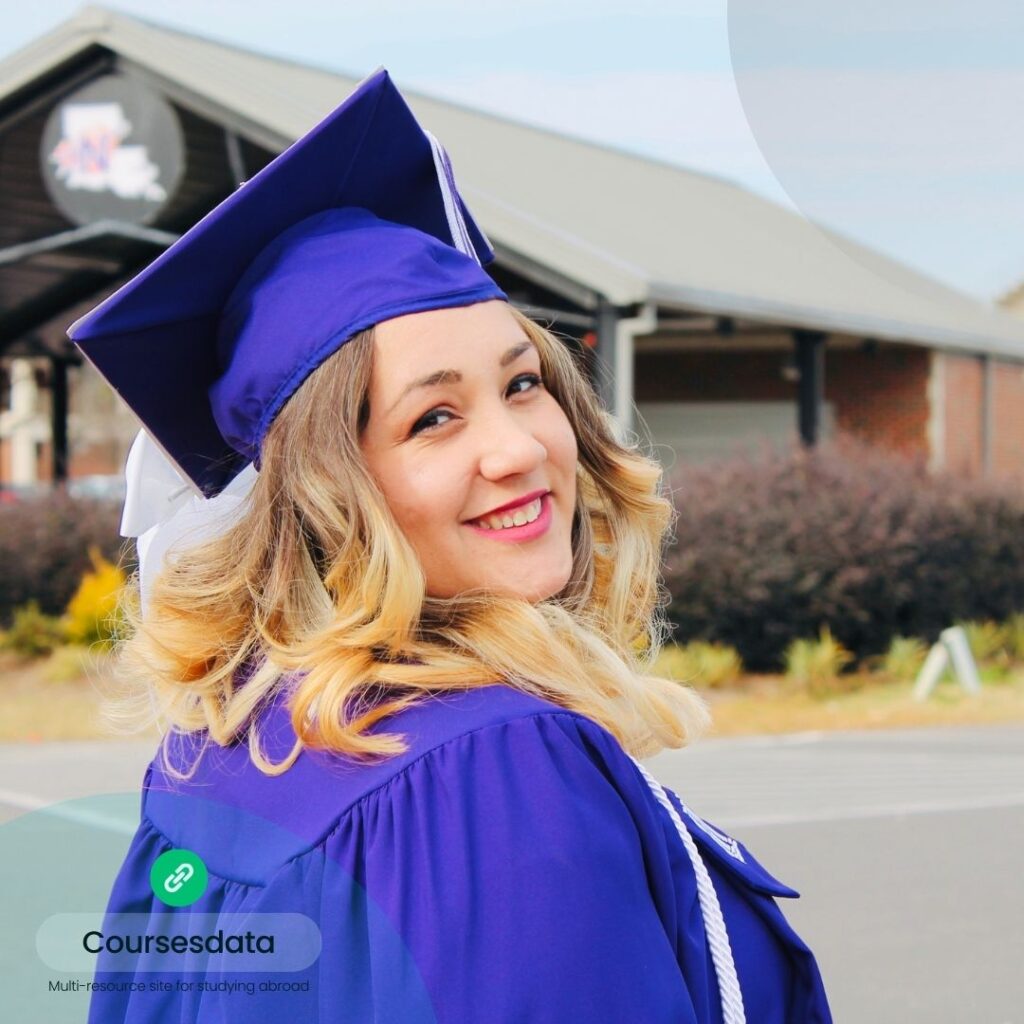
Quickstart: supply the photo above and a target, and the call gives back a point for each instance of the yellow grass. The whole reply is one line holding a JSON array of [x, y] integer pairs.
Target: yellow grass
[[59, 698], [54, 698], [768, 704]]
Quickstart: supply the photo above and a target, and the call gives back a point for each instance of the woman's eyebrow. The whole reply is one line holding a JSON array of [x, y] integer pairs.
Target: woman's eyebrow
[[453, 376]]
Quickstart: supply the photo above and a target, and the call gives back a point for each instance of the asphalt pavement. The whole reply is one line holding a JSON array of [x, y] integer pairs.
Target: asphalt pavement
[[907, 848]]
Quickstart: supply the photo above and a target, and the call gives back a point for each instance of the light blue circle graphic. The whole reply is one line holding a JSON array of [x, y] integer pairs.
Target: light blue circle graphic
[[62, 933]]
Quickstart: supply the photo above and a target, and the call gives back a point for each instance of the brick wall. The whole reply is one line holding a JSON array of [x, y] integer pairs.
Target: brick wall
[[961, 392], [101, 458], [879, 394], [726, 376], [1008, 419]]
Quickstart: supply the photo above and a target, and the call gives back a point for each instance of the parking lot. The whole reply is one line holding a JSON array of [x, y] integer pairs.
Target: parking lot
[[907, 848]]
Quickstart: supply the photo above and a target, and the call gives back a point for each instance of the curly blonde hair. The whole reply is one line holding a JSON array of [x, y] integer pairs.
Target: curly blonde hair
[[314, 586]]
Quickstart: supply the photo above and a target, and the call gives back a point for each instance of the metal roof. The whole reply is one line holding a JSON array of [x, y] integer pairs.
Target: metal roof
[[632, 229]]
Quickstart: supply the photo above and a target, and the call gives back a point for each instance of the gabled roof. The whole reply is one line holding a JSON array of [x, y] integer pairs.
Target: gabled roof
[[1012, 298], [633, 229]]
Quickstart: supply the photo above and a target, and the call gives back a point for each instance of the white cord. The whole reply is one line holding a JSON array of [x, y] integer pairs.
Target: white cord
[[711, 910]]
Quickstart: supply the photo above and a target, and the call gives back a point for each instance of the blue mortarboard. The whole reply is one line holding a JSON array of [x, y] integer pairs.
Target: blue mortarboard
[[356, 222]]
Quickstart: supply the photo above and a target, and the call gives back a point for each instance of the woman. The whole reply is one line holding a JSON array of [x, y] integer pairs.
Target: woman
[[404, 678]]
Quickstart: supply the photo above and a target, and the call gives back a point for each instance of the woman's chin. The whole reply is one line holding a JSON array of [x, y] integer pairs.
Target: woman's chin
[[529, 590], [532, 589]]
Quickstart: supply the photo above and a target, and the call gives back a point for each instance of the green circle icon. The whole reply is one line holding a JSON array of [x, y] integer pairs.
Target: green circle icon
[[178, 877]]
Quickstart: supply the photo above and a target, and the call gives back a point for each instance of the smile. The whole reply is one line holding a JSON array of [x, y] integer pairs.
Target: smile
[[524, 523]]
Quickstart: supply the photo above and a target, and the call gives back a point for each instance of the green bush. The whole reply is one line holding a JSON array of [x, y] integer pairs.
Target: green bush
[[67, 664], [816, 665], [44, 549], [33, 633], [1014, 627], [989, 641], [903, 660], [767, 549]]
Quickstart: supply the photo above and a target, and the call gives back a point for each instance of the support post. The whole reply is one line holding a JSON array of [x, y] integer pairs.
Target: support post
[[607, 353], [59, 419], [236, 162], [810, 362], [987, 414]]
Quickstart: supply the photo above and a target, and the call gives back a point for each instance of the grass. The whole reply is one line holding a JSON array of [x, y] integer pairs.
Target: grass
[[769, 704], [59, 698], [54, 698]]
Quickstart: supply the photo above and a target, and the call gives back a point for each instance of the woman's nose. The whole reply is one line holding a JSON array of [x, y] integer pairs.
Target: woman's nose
[[509, 444]]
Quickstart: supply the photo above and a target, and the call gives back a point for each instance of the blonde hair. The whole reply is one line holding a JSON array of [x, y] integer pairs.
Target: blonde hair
[[316, 585]]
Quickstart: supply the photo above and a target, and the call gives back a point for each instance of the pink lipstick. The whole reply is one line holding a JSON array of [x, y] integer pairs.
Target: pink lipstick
[[528, 531]]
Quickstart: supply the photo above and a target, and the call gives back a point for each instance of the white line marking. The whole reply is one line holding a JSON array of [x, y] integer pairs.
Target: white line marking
[[856, 813], [79, 815]]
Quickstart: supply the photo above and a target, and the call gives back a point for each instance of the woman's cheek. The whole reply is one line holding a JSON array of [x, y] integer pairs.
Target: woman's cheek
[[567, 446]]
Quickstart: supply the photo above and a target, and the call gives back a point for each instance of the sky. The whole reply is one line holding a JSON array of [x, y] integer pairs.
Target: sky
[[894, 122]]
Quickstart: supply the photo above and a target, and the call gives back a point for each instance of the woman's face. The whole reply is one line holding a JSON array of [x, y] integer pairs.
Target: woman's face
[[461, 424]]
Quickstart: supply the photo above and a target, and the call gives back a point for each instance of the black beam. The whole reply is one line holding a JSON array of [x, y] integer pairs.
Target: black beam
[[30, 315], [560, 318], [46, 91], [101, 229], [604, 365], [810, 364], [59, 419]]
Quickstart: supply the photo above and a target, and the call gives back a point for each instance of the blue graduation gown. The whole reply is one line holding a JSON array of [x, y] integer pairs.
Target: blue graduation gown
[[512, 867]]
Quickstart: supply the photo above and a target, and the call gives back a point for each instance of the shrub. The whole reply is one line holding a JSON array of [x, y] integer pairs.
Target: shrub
[[989, 641], [44, 545], [710, 666], [816, 665], [769, 548], [66, 664], [1014, 627], [904, 658], [33, 633], [92, 615]]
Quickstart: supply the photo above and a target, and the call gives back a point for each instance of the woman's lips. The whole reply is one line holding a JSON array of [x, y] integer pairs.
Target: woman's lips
[[520, 533]]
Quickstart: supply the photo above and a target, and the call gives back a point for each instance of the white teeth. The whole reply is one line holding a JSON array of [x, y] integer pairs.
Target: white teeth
[[503, 520]]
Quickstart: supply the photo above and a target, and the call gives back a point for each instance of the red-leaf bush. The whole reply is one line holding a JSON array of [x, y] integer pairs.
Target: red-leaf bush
[[44, 549], [770, 547]]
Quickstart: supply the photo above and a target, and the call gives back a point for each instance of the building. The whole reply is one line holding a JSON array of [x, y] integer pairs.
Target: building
[[716, 314]]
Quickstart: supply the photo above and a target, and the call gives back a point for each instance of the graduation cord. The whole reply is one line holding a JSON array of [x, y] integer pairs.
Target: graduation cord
[[450, 195], [711, 911]]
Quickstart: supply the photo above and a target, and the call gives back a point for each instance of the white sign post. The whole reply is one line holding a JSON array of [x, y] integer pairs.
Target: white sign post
[[951, 649]]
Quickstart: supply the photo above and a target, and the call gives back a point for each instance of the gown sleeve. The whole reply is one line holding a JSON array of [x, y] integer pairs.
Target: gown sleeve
[[515, 862]]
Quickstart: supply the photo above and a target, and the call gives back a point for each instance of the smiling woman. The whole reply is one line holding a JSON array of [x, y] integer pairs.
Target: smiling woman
[[493, 439], [405, 682], [361, 580]]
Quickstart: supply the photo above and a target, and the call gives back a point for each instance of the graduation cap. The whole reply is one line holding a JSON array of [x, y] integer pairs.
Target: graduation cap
[[357, 222]]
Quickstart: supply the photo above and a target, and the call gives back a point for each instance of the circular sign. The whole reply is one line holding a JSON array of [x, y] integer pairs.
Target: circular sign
[[178, 877], [112, 150]]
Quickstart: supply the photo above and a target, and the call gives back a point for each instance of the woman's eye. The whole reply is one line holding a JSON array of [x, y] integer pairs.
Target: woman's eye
[[427, 422], [533, 378]]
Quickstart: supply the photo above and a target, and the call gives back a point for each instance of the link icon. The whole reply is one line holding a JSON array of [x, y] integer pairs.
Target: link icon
[[178, 878]]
